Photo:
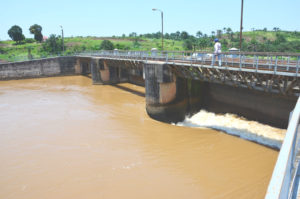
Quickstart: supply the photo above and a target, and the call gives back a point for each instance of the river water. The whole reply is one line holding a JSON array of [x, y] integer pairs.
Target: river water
[[64, 138]]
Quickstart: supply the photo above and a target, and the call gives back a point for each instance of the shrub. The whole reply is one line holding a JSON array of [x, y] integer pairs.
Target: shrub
[[29, 40], [106, 45]]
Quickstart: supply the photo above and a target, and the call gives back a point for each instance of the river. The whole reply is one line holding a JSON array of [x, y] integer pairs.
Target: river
[[65, 138]]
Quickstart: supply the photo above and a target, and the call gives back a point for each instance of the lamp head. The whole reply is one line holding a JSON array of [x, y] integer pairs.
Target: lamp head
[[154, 9]]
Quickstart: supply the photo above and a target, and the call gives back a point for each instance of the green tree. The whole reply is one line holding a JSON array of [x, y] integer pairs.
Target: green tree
[[188, 44], [38, 37], [184, 35], [203, 42], [199, 34], [106, 45], [53, 44], [219, 33], [15, 33], [37, 31], [280, 38], [228, 30]]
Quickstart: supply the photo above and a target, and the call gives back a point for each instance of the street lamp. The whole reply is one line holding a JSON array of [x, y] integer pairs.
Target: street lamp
[[62, 36], [162, 27], [241, 27]]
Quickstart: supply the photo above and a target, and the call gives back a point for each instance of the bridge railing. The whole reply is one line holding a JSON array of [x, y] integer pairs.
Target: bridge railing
[[275, 62], [283, 184]]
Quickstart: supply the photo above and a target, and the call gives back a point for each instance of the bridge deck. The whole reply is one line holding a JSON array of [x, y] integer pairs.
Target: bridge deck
[[275, 75]]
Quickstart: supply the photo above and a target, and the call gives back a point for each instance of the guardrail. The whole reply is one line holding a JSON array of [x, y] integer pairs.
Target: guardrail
[[275, 62], [283, 184], [278, 63]]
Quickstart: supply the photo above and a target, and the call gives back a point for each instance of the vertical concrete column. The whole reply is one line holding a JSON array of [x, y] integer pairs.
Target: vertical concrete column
[[166, 94], [95, 70], [105, 72], [77, 66]]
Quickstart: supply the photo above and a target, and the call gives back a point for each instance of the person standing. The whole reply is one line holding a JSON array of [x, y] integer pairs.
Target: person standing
[[217, 52]]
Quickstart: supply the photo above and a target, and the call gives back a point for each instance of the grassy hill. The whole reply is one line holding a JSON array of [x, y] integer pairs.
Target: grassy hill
[[280, 41]]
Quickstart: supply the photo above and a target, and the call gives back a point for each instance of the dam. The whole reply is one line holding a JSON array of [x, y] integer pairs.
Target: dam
[[98, 141]]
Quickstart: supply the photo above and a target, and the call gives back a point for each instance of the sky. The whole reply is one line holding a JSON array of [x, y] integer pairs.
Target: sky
[[115, 17]]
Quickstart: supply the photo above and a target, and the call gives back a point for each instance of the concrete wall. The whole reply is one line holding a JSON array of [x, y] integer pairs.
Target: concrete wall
[[171, 99], [105, 71], [272, 109], [39, 68]]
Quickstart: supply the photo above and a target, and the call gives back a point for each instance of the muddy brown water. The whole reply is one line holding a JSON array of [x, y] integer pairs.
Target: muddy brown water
[[64, 138]]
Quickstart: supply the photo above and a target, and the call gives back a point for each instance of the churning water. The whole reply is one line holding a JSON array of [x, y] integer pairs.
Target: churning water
[[238, 126]]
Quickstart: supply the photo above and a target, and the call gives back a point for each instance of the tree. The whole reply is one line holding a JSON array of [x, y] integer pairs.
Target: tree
[[199, 34], [280, 38], [228, 31], [38, 37], [188, 44], [177, 35], [15, 33], [184, 35], [106, 45], [213, 33], [133, 34], [37, 31], [53, 44], [224, 30], [219, 33], [204, 42]]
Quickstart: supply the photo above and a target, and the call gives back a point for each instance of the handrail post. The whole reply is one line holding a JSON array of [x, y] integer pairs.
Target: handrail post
[[297, 67], [240, 62], [276, 62]]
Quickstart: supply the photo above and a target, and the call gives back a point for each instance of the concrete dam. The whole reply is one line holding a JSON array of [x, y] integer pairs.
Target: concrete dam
[[176, 87]]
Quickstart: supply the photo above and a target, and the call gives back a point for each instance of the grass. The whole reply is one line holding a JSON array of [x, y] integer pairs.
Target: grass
[[10, 51]]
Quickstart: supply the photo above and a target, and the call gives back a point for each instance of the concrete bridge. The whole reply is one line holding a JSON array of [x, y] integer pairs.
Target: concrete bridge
[[258, 86]]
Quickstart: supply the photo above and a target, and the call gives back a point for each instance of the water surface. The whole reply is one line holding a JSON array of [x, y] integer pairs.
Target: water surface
[[65, 138]]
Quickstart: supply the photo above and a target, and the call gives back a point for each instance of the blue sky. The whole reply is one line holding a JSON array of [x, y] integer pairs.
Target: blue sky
[[115, 17]]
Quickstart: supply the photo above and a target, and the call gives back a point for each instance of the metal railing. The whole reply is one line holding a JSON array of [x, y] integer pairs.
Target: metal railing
[[271, 63], [277, 63], [284, 181]]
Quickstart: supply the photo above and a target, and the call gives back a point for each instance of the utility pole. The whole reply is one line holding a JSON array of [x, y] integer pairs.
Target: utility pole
[[62, 36], [162, 31], [162, 27], [241, 26]]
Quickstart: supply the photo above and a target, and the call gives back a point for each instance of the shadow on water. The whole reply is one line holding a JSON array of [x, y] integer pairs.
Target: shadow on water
[[87, 75], [138, 93]]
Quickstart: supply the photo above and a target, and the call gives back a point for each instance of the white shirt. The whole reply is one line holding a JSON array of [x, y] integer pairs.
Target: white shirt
[[217, 47]]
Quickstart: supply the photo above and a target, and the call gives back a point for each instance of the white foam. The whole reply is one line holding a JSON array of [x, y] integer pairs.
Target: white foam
[[238, 126]]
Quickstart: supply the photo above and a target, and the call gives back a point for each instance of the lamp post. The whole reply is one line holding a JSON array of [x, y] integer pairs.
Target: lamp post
[[62, 36], [162, 27], [241, 27]]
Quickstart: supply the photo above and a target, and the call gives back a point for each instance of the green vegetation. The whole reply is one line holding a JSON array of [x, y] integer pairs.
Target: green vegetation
[[256, 40], [36, 30], [106, 45], [52, 45], [15, 33]]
